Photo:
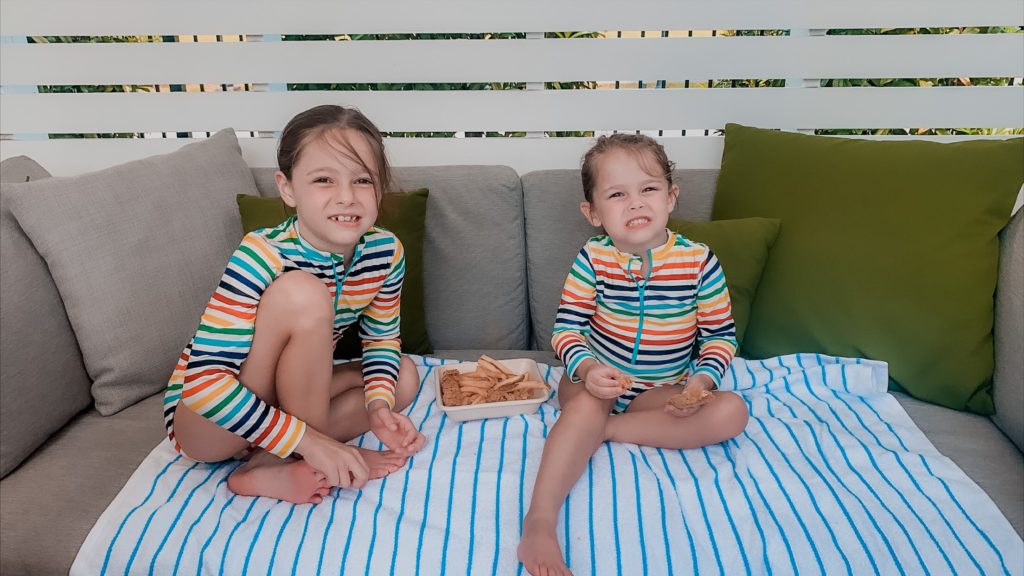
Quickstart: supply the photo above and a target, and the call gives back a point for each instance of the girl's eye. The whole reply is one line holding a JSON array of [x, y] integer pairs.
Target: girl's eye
[[364, 181], [615, 195], [322, 180]]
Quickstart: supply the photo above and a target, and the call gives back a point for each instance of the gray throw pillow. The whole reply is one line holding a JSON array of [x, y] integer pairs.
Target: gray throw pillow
[[135, 251], [42, 380], [21, 169]]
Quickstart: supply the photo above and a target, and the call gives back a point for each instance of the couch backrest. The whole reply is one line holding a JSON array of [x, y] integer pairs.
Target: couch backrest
[[556, 230], [474, 257]]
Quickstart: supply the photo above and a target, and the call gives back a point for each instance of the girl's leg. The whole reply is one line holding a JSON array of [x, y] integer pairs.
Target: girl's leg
[[646, 423], [348, 417], [291, 320], [576, 435], [289, 365]]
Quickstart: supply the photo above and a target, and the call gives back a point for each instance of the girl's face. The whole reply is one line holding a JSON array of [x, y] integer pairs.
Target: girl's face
[[334, 196], [632, 204]]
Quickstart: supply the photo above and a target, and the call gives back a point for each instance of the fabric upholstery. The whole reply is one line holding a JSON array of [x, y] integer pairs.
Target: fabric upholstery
[[51, 502], [911, 284], [135, 251], [42, 380], [1008, 380]]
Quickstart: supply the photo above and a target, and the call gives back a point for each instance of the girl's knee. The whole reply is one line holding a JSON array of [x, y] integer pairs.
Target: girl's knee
[[586, 403], [733, 413], [408, 383], [304, 298]]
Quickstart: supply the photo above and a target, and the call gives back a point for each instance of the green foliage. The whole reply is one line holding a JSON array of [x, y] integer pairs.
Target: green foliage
[[922, 82], [575, 85]]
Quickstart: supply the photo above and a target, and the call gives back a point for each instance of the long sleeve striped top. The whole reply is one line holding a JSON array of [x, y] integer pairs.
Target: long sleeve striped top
[[647, 327], [206, 376]]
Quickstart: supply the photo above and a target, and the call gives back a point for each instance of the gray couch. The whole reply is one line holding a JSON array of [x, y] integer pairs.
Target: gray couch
[[497, 249]]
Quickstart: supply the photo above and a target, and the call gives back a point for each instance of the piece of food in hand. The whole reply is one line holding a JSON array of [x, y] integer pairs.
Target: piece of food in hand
[[625, 382], [492, 381], [691, 398]]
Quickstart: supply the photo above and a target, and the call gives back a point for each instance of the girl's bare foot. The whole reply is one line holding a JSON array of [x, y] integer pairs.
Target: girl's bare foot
[[286, 479], [381, 463], [539, 551]]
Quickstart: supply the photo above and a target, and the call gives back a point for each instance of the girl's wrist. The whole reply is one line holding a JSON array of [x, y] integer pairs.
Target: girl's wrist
[[702, 380]]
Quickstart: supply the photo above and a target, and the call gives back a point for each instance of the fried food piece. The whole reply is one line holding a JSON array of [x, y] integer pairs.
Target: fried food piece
[[625, 381], [491, 381], [451, 393], [691, 398]]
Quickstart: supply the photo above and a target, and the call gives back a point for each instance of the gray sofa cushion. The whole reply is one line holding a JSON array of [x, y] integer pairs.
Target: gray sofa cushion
[[979, 449], [52, 501], [42, 380], [1008, 379], [21, 169], [474, 214], [556, 230], [135, 251]]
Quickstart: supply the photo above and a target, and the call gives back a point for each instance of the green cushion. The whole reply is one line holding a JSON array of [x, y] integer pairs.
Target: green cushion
[[742, 248], [402, 213], [888, 251]]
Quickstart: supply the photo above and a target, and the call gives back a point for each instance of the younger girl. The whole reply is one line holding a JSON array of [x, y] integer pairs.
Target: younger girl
[[258, 374], [645, 314]]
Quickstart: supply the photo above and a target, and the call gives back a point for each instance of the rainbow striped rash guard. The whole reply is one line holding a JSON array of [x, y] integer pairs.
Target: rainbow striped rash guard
[[646, 326], [206, 376]]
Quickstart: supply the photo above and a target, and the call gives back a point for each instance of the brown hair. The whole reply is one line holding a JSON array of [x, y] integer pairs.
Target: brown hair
[[317, 122], [636, 143]]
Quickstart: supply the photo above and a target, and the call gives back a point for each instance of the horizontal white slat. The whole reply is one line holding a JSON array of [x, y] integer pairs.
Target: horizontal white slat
[[534, 60], [71, 157], [162, 17], [518, 110]]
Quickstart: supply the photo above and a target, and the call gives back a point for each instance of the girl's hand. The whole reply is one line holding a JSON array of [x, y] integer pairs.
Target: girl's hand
[[603, 381], [395, 430], [701, 381], [342, 464]]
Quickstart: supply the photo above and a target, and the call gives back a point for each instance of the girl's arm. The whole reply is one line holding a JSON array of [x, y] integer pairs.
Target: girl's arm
[[379, 331], [572, 321], [222, 342], [717, 331]]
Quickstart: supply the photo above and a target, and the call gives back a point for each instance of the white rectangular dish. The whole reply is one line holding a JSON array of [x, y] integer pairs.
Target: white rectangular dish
[[493, 409]]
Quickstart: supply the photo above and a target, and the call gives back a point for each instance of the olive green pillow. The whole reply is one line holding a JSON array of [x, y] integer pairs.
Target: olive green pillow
[[889, 251], [402, 213], [742, 248]]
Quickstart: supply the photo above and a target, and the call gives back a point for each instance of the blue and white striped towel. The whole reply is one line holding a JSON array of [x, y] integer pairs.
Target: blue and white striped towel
[[830, 477]]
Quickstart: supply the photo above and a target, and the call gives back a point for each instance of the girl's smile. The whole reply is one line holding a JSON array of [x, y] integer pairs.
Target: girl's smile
[[333, 191], [631, 203]]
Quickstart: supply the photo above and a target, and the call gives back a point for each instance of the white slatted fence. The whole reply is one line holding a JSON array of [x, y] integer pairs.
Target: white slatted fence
[[26, 116]]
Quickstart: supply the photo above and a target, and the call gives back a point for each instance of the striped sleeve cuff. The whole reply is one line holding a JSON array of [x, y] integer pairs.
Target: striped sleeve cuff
[[282, 440], [716, 376], [574, 356]]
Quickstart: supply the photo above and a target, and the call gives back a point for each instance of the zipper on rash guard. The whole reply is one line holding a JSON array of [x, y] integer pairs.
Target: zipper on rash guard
[[640, 323]]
